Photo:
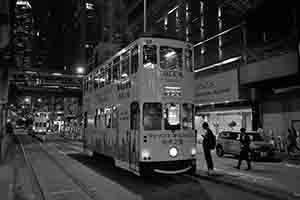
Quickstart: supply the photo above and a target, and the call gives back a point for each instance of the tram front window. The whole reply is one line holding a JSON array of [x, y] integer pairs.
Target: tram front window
[[149, 56], [152, 115], [170, 58], [172, 116]]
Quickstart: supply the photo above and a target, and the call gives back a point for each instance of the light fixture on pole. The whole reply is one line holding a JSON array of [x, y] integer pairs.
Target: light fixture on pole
[[80, 70], [145, 16]]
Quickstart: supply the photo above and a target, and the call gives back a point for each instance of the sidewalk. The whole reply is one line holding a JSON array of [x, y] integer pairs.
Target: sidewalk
[[278, 180], [7, 155], [6, 180]]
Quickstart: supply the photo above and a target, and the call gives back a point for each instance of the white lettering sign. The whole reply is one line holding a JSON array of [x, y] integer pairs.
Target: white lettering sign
[[218, 87]]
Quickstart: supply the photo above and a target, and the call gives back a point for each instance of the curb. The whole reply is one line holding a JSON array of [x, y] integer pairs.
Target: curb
[[261, 190]]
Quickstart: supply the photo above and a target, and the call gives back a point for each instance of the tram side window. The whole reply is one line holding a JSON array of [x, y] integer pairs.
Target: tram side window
[[101, 78], [116, 69], [149, 55], [107, 112], [108, 75], [170, 58], [187, 116], [134, 59], [95, 82], [134, 116], [125, 65], [172, 116], [95, 119], [188, 60], [86, 85], [114, 118], [152, 115]]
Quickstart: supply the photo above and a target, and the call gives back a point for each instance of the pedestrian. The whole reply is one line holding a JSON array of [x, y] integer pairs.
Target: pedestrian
[[295, 135], [245, 149], [208, 144], [291, 142]]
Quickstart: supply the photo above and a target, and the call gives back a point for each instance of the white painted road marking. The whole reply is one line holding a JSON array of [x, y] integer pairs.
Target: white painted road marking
[[245, 175], [62, 192], [292, 165]]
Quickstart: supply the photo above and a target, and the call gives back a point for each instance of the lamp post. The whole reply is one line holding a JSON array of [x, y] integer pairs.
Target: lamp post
[[80, 70], [145, 16]]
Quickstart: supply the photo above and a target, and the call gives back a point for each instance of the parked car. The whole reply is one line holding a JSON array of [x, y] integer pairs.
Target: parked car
[[228, 143]]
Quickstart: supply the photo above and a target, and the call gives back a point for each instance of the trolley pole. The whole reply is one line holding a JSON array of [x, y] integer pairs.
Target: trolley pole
[[145, 15]]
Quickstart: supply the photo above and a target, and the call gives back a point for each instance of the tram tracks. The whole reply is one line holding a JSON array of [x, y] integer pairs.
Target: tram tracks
[[39, 148]]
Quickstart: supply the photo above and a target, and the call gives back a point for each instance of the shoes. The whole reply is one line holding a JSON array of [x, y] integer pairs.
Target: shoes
[[210, 172]]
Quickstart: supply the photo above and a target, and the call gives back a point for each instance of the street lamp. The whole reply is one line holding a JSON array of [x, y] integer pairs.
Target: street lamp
[[80, 70], [39, 100], [27, 100]]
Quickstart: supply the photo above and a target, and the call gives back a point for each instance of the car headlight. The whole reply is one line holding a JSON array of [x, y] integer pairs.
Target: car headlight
[[173, 152], [145, 154], [193, 151]]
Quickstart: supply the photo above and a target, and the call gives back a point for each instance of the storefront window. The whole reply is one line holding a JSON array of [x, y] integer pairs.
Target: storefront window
[[170, 58], [187, 116], [152, 115], [172, 116]]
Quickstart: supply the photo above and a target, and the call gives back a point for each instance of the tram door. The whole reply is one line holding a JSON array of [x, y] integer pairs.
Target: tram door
[[134, 135]]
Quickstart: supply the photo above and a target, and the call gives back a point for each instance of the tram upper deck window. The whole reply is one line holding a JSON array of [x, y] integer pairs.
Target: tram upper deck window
[[134, 59], [108, 74], [188, 60], [116, 69], [152, 115], [187, 116], [172, 116], [101, 78], [125, 65], [149, 55], [170, 58], [95, 82]]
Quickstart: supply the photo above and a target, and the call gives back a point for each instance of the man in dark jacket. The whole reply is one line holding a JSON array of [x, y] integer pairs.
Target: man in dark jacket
[[207, 147], [245, 149]]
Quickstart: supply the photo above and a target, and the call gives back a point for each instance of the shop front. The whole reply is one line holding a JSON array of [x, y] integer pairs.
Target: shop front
[[218, 102]]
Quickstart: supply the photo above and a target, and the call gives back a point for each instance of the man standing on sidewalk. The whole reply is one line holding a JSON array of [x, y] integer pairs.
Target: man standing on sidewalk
[[207, 146], [245, 149]]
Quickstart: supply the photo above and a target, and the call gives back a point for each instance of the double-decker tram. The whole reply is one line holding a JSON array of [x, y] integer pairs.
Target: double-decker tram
[[41, 123], [138, 107]]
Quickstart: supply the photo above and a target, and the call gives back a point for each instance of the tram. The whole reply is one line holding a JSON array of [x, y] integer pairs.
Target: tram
[[139, 107], [41, 123]]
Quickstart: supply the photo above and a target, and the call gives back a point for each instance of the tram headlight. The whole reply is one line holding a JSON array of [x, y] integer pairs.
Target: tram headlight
[[145, 154], [173, 152], [193, 151]]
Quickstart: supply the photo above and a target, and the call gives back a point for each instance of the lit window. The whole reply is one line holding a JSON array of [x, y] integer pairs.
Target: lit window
[[89, 6]]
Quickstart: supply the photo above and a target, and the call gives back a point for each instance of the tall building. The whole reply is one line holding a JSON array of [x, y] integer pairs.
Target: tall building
[[105, 27], [23, 34]]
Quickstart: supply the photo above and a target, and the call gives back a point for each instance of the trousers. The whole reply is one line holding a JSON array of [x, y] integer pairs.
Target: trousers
[[208, 158], [244, 155]]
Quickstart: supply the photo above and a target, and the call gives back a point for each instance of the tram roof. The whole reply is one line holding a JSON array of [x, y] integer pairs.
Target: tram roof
[[154, 35]]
